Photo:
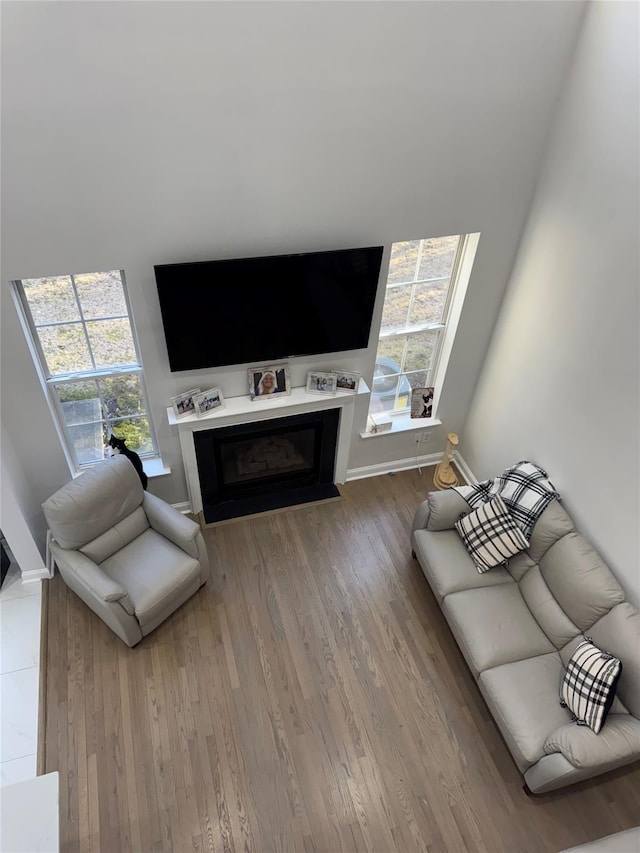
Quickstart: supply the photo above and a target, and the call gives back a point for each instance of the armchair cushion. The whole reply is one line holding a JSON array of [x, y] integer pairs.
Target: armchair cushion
[[116, 537], [94, 502], [162, 574]]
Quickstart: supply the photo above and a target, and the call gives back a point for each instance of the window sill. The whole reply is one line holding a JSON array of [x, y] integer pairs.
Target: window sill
[[405, 424], [153, 466]]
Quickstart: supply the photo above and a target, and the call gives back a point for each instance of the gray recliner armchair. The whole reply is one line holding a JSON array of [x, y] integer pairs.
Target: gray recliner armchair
[[131, 557]]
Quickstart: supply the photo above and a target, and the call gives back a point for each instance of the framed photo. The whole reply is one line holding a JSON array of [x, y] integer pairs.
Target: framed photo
[[267, 380], [208, 401], [321, 383], [422, 402], [347, 380], [183, 404]]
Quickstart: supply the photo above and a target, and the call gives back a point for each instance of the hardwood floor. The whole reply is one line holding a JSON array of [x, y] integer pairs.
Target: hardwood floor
[[309, 698]]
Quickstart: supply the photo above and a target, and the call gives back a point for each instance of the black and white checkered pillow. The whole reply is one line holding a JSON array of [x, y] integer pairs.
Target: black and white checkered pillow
[[525, 489], [589, 684], [490, 534]]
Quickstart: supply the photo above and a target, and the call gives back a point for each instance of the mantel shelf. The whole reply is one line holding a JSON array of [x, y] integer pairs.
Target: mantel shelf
[[244, 408]]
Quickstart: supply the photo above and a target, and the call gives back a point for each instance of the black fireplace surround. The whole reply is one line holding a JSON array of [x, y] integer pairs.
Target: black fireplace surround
[[267, 465]]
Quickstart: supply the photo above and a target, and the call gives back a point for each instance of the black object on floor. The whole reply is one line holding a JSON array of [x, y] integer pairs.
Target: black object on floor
[[5, 561]]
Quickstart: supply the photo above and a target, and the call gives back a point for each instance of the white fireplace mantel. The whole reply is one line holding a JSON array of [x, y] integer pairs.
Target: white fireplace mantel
[[243, 410]]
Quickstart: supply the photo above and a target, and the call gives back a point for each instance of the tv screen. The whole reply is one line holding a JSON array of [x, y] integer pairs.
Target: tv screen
[[257, 310]]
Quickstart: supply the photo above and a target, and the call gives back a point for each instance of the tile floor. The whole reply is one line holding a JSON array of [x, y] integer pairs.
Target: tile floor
[[19, 675]]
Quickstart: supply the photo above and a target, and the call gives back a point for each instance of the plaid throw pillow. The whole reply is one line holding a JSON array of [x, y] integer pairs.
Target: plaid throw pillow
[[589, 684], [490, 534], [525, 489]]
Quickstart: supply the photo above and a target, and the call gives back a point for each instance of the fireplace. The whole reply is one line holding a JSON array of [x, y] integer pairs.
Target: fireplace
[[254, 467]]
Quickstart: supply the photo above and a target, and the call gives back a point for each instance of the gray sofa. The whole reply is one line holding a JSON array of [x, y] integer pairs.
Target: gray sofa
[[517, 627]]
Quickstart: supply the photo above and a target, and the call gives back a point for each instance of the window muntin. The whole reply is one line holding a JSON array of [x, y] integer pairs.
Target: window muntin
[[414, 318], [84, 338]]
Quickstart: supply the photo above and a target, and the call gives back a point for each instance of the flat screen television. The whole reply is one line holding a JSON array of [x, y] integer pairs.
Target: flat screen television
[[257, 310]]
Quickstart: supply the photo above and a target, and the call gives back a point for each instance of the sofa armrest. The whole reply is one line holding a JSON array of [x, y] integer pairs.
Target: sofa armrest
[[171, 523], [619, 738], [87, 574], [421, 516], [440, 511]]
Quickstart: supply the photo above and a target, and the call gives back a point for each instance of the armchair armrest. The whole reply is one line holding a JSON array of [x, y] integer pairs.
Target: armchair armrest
[[87, 574], [171, 524], [618, 739], [99, 592]]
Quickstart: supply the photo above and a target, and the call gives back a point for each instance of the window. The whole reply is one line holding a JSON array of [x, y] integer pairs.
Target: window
[[83, 342], [422, 280]]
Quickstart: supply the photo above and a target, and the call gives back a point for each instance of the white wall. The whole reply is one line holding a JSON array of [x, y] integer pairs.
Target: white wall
[[143, 133], [561, 383], [16, 528]]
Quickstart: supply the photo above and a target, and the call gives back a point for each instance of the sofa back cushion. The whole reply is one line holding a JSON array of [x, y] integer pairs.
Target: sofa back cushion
[[553, 524], [547, 612], [580, 582], [618, 632]]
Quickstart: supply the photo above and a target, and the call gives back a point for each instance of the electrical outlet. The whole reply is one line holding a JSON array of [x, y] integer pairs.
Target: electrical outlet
[[426, 437], [417, 437]]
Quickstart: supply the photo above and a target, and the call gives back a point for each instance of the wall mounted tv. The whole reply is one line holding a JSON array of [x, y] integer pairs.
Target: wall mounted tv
[[256, 310]]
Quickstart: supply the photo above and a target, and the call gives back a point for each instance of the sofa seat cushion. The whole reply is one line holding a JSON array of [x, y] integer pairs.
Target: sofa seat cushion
[[448, 566], [163, 573], [523, 698], [494, 626]]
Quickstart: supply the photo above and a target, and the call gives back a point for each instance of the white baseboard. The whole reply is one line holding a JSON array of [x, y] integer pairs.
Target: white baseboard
[[33, 575], [396, 465], [464, 469], [408, 464]]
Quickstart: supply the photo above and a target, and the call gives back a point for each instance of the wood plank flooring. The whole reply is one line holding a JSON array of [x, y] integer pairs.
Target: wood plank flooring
[[309, 698]]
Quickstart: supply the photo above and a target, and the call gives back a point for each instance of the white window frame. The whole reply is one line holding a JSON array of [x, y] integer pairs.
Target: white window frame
[[49, 381], [459, 281]]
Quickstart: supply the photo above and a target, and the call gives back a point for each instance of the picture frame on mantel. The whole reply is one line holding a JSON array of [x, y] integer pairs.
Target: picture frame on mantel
[[347, 380], [208, 401], [183, 404], [267, 380], [321, 383]]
